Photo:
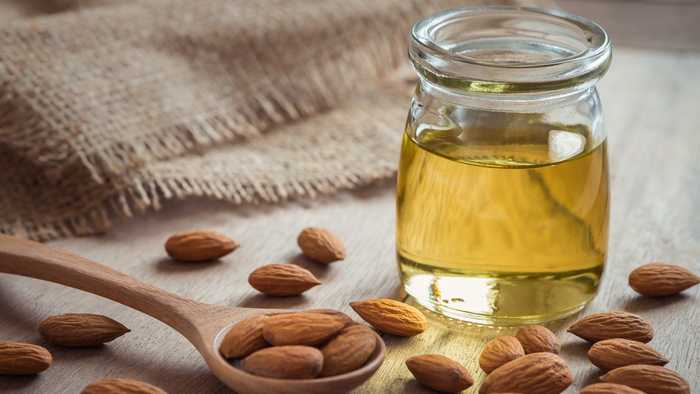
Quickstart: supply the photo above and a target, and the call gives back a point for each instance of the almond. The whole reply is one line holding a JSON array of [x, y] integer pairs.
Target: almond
[[285, 362], [349, 350], [282, 280], [199, 245], [391, 316], [244, 338], [335, 313], [17, 358], [320, 245], [80, 330], [536, 373], [536, 339], [659, 279], [121, 386], [300, 328], [609, 325], [614, 353], [499, 351], [439, 373], [651, 379], [609, 388]]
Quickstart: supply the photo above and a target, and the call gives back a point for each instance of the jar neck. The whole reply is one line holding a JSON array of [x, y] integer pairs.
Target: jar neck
[[504, 51], [505, 102]]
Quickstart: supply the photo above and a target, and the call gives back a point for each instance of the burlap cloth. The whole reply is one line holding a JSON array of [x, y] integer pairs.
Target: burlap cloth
[[112, 109]]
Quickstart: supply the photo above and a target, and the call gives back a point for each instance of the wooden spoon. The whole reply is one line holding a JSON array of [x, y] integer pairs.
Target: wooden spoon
[[204, 325]]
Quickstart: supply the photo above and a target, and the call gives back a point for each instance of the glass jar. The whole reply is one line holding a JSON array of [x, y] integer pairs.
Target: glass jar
[[502, 196]]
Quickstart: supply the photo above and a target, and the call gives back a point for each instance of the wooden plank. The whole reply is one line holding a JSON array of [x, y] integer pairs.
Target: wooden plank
[[651, 101]]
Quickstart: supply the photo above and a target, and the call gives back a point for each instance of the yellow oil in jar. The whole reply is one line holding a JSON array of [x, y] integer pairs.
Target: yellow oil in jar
[[502, 233]]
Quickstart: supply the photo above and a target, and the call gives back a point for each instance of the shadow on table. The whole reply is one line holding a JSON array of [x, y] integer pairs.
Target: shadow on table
[[319, 270], [263, 301], [15, 317], [639, 304], [170, 266]]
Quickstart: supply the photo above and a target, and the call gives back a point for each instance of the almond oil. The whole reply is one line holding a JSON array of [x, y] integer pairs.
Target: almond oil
[[502, 230]]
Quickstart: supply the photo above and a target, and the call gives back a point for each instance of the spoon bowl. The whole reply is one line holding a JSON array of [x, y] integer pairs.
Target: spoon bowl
[[244, 382], [204, 325]]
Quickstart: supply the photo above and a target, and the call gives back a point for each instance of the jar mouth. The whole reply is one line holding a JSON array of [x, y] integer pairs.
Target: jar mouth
[[504, 49]]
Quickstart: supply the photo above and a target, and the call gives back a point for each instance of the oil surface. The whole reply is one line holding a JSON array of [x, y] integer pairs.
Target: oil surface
[[502, 233]]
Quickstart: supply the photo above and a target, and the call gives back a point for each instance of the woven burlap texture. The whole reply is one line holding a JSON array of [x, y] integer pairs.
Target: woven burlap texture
[[113, 109]]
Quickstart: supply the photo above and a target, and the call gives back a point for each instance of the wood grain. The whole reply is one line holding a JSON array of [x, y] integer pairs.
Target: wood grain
[[652, 112]]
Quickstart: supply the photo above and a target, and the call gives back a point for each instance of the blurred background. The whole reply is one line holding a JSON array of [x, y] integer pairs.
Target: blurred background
[[658, 24]]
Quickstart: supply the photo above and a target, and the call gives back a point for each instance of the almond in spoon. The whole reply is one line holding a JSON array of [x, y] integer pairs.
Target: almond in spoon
[[335, 313], [285, 362], [244, 338], [349, 350], [301, 328], [439, 373], [614, 353]]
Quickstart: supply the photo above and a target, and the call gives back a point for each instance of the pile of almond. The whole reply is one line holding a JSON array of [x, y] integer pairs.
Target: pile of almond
[[528, 362], [316, 343], [299, 345], [280, 280], [321, 343], [346, 346], [620, 349]]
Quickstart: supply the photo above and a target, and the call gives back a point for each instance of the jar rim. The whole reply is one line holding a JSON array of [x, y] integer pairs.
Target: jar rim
[[509, 49]]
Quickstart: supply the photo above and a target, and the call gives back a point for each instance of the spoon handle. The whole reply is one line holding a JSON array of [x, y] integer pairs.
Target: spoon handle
[[36, 260]]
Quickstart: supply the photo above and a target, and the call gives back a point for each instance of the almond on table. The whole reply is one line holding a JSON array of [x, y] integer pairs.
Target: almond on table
[[199, 245], [81, 329], [439, 373], [18, 358], [537, 339], [321, 245], [499, 351], [121, 386], [608, 325], [614, 353], [661, 279], [609, 388], [650, 379], [282, 280], [391, 316]]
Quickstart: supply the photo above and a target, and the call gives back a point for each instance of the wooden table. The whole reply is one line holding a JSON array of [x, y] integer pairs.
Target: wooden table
[[652, 104]]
